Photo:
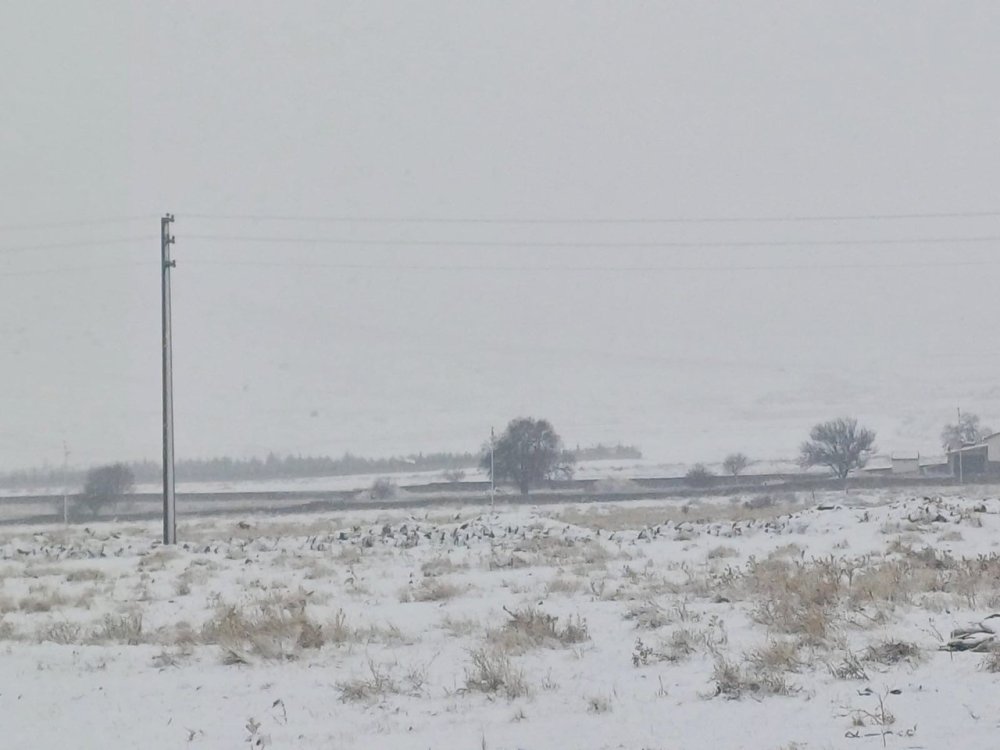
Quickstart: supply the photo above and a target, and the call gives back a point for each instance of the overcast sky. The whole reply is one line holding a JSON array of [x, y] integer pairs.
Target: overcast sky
[[514, 110]]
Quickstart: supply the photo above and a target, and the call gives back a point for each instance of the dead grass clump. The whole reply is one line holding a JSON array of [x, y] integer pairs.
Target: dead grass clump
[[795, 598], [553, 550], [790, 550], [42, 600], [848, 668], [492, 672], [733, 682], [599, 704], [63, 633], [459, 627], [339, 631], [717, 553], [440, 566], [378, 683], [529, 628], [892, 652], [562, 585], [431, 590], [158, 559], [125, 629], [270, 628], [776, 656], [682, 643], [85, 574], [648, 615], [991, 662]]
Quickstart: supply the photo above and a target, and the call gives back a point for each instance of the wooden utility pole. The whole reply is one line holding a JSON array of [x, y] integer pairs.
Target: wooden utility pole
[[493, 481], [169, 505], [65, 484]]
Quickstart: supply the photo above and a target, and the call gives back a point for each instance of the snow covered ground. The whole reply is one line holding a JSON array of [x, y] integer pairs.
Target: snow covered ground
[[792, 621]]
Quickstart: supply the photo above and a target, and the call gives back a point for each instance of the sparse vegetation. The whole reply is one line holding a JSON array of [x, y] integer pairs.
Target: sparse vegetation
[[491, 671], [530, 628], [699, 475], [106, 486], [735, 463], [840, 444], [528, 452]]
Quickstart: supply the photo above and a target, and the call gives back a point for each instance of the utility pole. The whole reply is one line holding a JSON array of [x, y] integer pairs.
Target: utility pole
[[961, 445], [493, 483], [65, 473], [169, 505]]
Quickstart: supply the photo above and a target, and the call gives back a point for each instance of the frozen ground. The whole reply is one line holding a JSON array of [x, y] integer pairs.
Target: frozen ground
[[785, 622]]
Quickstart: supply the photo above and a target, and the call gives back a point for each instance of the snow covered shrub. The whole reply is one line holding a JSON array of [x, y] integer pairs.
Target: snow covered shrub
[[273, 627], [491, 672], [531, 628]]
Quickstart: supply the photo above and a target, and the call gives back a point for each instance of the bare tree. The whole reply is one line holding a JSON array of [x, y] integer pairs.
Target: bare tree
[[967, 431], [106, 485], [735, 463], [699, 475], [840, 444], [528, 452]]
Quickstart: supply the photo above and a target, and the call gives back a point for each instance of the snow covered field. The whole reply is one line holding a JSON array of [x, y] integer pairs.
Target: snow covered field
[[758, 622]]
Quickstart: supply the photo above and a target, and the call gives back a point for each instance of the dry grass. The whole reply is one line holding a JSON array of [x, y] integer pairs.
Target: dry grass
[[85, 574], [377, 683], [273, 627], [722, 551], [599, 704], [491, 672], [563, 585], [991, 662], [624, 516], [733, 681], [558, 551], [124, 629], [850, 667], [441, 566], [648, 615], [42, 599], [430, 590], [530, 628], [892, 652], [776, 656], [460, 627]]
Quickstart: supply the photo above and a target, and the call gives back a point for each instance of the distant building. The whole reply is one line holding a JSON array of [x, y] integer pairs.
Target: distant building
[[905, 464], [897, 464], [979, 459]]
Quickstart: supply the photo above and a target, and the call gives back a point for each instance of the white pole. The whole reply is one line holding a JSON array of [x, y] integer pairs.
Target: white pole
[[961, 444], [65, 484], [493, 483], [169, 506]]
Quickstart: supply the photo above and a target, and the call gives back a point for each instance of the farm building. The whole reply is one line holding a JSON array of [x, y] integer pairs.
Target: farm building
[[897, 465], [978, 459]]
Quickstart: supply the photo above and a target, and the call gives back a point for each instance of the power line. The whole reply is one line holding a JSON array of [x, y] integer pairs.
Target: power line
[[257, 239], [73, 243], [72, 269], [375, 219], [599, 268], [71, 223]]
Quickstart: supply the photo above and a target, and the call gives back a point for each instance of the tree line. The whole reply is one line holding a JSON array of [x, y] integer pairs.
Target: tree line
[[275, 466]]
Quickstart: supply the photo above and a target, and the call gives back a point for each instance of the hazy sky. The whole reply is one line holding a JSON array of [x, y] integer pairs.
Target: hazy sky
[[523, 110]]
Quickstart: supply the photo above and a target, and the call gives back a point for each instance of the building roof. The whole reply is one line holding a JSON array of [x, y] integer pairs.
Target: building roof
[[977, 448]]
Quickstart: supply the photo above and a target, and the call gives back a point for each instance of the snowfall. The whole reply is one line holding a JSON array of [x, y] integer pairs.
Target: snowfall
[[758, 621]]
